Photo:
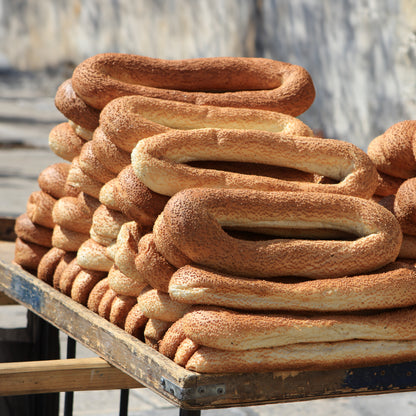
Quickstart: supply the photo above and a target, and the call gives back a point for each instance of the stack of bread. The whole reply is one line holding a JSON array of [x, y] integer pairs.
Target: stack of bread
[[394, 155], [200, 215]]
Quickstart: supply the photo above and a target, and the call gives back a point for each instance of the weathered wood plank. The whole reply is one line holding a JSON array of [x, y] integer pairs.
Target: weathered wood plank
[[80, 374]]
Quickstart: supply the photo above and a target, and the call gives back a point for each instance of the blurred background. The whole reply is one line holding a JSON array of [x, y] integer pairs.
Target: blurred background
[[361, 55]]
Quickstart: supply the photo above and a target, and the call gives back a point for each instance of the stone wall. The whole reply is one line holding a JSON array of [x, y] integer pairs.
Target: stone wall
[[361, 53]]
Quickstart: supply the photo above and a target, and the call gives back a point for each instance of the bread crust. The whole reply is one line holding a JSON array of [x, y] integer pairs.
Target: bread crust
[[191, 230], [224, 81], [162, 162], [393, 286]]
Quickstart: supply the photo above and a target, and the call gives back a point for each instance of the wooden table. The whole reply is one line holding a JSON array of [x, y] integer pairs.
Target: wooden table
[[128, 363]]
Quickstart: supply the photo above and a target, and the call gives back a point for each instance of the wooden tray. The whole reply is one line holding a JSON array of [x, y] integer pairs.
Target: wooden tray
[[186, 389]]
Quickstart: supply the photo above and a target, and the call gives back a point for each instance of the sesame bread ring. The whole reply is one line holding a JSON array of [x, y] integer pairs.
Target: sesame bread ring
[[126, 120], [78, 181], [127, 248], [135, 322], [405, 206], [191, 230], [154, 331], [75, 213], [123, 284], [64, 142], [387, 185], [392, 152], [106, 224], [224, 81], [53, 178], [61, 267], [111, 157], [48, 264], [28, 255], [408, 247], [68, 275], [231, 330], [92, 256], [83, 284], [91, 166], [107, 195], [161, 162], [393, 286], [26, 230], [152, 266], [298, 357], [158, 305], [96, 294], [104, 308], [75, 109], [39, 208], [68, 240], [120, 307], [136, 200]]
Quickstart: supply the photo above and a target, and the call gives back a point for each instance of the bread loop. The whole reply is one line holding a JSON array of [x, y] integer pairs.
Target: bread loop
[[162, 162], [136, 200], [231, 330], [78, 181], [127, 120], [393, 286], [123, 284], [53, 178], [75, 109], [26, 230], [64, 142], [75, 213], [393, 151], [106, 224], [226, 81], [68, 240], [111, 157], [28, 255], [48, 264], [39, 208], [92, 256], [405, 206], [192, 227]]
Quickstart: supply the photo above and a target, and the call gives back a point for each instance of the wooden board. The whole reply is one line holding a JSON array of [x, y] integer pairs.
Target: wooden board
[[187, 389]]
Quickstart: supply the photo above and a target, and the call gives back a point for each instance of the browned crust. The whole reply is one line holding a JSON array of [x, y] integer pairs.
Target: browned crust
[[136, 200], [26, 230], [68, 240], [120, 308], [152, 266], [111, 157], [231, 330], [226, 81], [75, 213], [74, 108], [91, 166], [405, 206], [39, 208], [301, 357], [190, 230], [61, 267], [78, 181], [387, 184], [83, 284], [52, 179], [96, 294], [162, 162], [68, 275], [127, 120], [392, 151], [158, 305], [28, 255], [123, 284], [49, 263], [92, 256], [393, 286], [135, 322], [64, 142]]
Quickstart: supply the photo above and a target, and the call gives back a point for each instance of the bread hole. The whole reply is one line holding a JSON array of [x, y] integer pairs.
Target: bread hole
[[260, 169], [266, 234]]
